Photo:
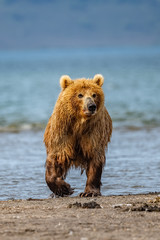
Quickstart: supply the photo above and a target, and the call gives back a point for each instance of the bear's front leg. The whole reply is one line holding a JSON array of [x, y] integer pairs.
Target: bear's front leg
[[55, 173], [93, 184]]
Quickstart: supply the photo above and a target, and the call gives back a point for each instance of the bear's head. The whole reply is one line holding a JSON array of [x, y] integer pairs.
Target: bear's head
[[82, 97]]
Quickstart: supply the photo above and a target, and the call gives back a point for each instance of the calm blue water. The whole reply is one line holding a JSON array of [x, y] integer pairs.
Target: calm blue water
[[29, 87]]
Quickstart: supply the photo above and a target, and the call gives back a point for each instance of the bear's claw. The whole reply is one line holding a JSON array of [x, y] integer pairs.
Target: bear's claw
[[61, 189], [90, 194], [64, 191]]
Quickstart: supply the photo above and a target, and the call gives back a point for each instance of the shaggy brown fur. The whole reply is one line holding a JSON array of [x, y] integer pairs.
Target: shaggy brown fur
[[77, 134]]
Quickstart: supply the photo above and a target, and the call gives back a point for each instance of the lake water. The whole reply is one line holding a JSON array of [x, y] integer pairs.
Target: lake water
[[29, 87]]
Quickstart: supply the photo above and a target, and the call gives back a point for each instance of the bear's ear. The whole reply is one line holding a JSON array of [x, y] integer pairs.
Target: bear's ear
[[98, 79], [65, 81]]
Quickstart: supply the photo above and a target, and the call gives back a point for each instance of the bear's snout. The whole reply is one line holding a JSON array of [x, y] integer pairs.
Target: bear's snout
[[92, 107]]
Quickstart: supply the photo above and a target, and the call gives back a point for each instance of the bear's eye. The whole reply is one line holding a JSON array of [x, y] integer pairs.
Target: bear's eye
[[94, 95], [80, 95]]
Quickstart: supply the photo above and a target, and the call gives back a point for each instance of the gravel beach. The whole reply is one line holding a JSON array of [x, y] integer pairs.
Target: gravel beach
[[106, 217]]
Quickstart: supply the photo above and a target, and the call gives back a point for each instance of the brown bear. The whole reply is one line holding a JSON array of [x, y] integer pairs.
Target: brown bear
[[77, 134]]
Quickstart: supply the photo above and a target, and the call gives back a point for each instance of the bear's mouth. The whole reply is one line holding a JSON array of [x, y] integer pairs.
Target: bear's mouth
[[89, 113]]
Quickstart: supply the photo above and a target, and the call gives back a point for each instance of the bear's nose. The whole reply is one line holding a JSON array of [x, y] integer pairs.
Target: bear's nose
[[92, 107]]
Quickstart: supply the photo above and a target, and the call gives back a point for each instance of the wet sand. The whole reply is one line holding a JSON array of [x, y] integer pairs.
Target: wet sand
[[106, 217]]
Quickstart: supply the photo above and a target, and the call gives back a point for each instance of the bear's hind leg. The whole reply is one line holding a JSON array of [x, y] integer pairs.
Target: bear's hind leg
[[55, 174]]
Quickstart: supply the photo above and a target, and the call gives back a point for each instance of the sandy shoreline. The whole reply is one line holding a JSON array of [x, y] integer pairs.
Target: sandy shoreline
[[111, 217]]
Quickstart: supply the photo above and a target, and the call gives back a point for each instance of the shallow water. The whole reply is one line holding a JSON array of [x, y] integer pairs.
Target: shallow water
[[132, 166], [29, 87]]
